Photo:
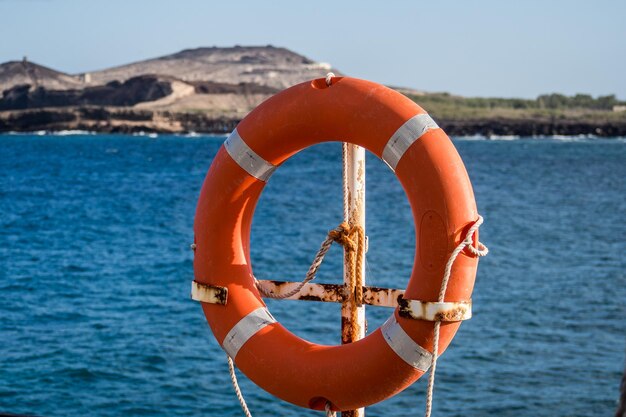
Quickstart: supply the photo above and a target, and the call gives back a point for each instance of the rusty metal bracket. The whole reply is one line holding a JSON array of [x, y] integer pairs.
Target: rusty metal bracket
[[434, 311], [333, 293], [211, 294]]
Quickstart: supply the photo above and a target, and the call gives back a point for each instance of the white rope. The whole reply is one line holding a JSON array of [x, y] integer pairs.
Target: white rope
[[233, 378], [329, 79], [480, 250], [242, 401], [346, 192]]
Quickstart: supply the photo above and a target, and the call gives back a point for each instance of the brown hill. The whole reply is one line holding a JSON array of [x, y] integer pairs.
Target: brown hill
[[14, 73], [216, 81], [263, 65]]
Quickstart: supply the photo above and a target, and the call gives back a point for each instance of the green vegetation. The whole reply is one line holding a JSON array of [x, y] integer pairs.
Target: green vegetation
[[447, 106]]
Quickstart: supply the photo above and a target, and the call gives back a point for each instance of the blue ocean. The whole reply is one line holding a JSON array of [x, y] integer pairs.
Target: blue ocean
[[95, 273]]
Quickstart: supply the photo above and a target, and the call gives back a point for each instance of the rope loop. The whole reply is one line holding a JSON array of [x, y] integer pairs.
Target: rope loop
[[329, 79], [329, 411], [480, 249]]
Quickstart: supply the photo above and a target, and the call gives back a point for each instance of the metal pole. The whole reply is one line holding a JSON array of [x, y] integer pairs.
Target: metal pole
[[354, 178]]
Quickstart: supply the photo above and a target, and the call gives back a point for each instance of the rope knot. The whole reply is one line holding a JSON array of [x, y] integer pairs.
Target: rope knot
[[343, 234]]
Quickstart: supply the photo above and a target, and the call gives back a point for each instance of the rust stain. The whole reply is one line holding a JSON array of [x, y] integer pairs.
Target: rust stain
[[278, 284], [454, 314], [360, 173], [221, 294], [380, 296], [311, 298], [404, 308], [211, 293], [346, 331]]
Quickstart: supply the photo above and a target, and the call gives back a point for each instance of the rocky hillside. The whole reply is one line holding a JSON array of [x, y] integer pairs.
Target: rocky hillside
[[263, 65], [14, 73], [267, 66], [220, 82]]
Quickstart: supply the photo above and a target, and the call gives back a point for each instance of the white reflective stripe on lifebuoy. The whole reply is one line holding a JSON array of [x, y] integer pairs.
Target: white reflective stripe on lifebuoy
[[245, 329], [246, 158], [404, 346], [409, 132]]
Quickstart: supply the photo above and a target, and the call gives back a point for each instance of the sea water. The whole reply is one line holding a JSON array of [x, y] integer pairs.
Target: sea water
[[95, 272]]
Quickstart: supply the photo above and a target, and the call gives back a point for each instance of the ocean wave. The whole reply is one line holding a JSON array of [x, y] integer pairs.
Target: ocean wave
[[151, 135], [470, 137], [193, 135], [51, 133], [72, 132], [504, 137]]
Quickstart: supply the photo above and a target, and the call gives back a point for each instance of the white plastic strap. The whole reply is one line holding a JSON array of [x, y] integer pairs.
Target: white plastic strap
[[247, 159], [409, 132], [402, 344], [245, 329]]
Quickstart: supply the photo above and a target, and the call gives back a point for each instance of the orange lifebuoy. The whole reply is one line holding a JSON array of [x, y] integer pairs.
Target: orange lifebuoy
[[438, 188]]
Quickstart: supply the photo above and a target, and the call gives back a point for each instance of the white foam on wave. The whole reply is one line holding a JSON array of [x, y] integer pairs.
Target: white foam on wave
[[151, 135], [71, 132], [504, 137], [52, 133], [469, 137], [195, 135]]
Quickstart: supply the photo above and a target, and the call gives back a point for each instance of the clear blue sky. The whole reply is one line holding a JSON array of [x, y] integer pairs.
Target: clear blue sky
[[475, 48]]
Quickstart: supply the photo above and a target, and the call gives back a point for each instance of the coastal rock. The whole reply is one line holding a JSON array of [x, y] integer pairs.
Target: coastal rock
[[133, 91], [128, 120]]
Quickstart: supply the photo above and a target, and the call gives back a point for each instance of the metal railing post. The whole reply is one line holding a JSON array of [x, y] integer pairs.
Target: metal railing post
[[355, 181]]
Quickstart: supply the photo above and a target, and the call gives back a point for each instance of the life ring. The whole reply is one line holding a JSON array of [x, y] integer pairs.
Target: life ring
[[434, 178]]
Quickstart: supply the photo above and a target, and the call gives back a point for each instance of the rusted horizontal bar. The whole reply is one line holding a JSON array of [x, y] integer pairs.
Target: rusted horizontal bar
[[433, 311], [208, 293], [375, 296], [334, 293]]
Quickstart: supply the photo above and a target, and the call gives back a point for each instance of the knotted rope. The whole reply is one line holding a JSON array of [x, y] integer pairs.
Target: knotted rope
[[352, 238], [480, 250]]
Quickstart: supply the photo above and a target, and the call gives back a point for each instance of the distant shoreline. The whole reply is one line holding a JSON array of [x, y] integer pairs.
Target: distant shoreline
[[128, 120], [169, 95], [222, 136]]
